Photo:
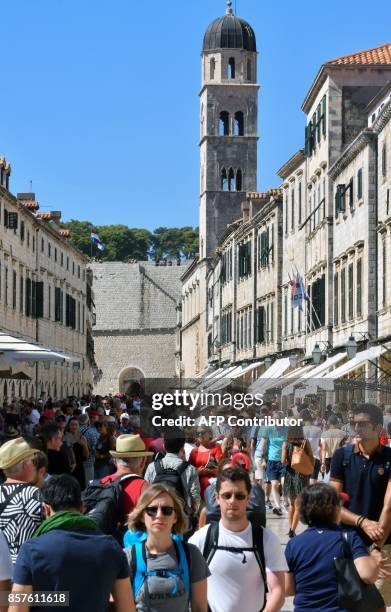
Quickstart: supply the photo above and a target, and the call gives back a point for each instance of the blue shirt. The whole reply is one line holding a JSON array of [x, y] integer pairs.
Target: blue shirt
[[314, 572], [276, 437], [84, 562], [364, 480]]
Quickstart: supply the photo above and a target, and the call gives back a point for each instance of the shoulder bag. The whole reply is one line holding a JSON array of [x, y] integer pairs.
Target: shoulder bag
[[353, 593], [301, 461]]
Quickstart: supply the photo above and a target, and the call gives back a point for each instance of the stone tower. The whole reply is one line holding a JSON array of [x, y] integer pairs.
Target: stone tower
[[228, 118]]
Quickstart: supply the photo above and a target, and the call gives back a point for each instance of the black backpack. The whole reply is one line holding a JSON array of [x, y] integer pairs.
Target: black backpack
[[211, 545], [104, 503], [172, 477]]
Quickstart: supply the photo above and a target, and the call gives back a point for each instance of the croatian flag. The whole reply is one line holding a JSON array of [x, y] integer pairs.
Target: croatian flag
[[96, 240], [299, 293]]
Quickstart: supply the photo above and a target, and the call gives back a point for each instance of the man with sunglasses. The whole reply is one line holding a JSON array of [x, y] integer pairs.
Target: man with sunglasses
[[363, 471], [238, 572]]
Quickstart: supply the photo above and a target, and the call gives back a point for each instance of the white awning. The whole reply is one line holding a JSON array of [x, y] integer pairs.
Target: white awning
[[203, 373], [13, 350], [225, 378], [297, 374], [223, 374], [247, 369], [359, 360], [323, 368], [268, 378], [327, 381]]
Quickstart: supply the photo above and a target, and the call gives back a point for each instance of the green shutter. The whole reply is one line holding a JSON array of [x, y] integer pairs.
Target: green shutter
[[324, 115]]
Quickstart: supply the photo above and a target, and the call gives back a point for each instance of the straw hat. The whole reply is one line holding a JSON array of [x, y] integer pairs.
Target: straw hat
[[129, 445], [15, 451]]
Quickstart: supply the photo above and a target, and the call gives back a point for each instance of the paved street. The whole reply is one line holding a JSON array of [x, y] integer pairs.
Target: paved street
[[280, 526]]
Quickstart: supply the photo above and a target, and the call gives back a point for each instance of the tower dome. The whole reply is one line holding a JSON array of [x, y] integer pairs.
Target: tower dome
[[229, 32]]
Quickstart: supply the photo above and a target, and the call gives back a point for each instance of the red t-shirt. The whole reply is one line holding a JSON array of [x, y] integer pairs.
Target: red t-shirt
[[132, 490], [200, 458]]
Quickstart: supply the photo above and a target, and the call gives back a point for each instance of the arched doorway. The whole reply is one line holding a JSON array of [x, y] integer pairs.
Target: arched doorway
[[128, 377]]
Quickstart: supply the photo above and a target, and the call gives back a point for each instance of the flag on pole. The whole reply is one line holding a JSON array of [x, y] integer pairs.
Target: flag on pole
[[299, 293], [96, 240]]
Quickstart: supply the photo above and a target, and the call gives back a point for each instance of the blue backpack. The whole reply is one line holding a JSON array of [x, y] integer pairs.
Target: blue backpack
[[135, 540]]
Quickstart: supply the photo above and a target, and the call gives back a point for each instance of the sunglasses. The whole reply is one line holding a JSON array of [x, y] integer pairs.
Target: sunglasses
[[165, 510], [237, 496]]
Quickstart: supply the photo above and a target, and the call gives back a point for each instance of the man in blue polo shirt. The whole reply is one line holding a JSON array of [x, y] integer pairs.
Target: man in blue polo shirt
[[363, 471], [68, 553]]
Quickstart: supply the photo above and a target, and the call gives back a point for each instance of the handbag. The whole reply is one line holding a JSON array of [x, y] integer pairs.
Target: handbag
[[302, 462], [353, 593]]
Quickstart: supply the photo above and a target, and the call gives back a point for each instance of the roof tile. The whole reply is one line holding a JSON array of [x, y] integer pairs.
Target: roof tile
[[378, 55]]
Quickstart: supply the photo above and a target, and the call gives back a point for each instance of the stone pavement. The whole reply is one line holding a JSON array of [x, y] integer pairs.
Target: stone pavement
[[280, 526]]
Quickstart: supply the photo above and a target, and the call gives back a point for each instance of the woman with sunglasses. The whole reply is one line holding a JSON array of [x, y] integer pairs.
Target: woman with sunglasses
[[167, 574], [205, 457]]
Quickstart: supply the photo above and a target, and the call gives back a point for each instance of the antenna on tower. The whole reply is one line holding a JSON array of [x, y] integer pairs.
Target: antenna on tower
[[229, 7], [31, 186]]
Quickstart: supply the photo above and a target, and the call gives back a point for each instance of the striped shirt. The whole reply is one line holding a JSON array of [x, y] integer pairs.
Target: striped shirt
[[21, 515]]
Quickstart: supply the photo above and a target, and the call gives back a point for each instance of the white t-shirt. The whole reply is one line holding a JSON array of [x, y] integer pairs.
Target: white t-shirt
[[233, 582], [313, 435], [34, 416], [6, 569]]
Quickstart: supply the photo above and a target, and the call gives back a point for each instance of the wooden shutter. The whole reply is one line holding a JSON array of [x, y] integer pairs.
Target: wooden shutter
[[28, 297], [324, 115], [350, 292], [351, 201], [336, 298], [39, 292], [358, 288], [359, 184]]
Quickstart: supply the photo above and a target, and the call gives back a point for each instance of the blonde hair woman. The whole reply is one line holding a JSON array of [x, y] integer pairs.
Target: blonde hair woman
[[166, 573]]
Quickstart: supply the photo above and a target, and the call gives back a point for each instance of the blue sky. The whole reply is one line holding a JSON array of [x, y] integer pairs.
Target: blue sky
[[99, 104]]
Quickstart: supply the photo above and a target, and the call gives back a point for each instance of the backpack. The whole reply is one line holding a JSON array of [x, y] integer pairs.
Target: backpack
[[211, 545], [104, 503], [172, 477], [138, 562]]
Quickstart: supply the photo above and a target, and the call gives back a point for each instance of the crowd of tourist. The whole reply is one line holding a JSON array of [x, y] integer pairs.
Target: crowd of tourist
[[98, 511]]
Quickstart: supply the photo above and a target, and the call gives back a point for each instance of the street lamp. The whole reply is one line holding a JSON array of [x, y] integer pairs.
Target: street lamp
[[268, 362], [317, 354], [351, 348], [293, 360]]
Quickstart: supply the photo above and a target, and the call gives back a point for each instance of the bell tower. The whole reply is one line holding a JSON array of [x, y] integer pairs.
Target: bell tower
[[228, 125]]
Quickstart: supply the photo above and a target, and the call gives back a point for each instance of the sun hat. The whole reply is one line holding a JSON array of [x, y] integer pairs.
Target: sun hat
[[129, 445], [15, 451]]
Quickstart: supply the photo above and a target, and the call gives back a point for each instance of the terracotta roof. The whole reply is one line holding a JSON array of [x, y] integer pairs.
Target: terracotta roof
[[46, 216], [378, 55], [30, 204], [64, 232]]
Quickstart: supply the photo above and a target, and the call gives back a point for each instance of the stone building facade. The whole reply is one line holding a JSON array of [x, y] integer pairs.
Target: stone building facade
[[331, 228], [45, 296], [136, 323]]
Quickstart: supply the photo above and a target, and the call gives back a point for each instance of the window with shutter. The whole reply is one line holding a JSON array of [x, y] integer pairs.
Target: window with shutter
[[359, 184], [318, 122], [34, 298], [336, 298], [39, 289], [14, 283], [22, 230], [384, 161], [21, 294], [350, 291], [260, 324], [5, 217], [300, 202], [28, 297], [293, 207], [57, 304], [351, 200], [343, 295], [358, 288], [271, 326]]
